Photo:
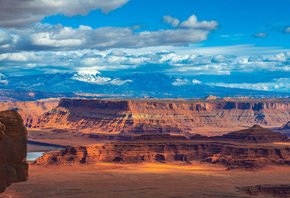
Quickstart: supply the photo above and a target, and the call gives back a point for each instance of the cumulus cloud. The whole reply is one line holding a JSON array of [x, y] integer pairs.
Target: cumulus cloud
[[260, 35], [287, 30], [281, 57], [173, 21], [20, 13], [281, 84], [57, 37], [163, 61], [192, 22]]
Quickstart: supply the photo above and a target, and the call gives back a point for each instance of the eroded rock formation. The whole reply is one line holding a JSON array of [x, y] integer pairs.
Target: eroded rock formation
[[13, 149], [166, 148], [162, 116], [256, 134]]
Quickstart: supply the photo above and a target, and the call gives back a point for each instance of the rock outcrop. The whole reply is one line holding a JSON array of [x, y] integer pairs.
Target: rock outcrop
[[166, 148], [255, 134], [163, 116], [273, 190], [13, 149], [285, 126], [211, 97]]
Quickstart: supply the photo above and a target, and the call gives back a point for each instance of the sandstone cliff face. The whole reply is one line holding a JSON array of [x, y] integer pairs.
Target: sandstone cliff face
[[30, 111], [170, 149], [13, 149], [155, 117]]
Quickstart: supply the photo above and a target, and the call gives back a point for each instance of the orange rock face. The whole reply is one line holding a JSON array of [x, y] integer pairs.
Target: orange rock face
[[170, 149], [13, 149], [160, 116], [30, 111]]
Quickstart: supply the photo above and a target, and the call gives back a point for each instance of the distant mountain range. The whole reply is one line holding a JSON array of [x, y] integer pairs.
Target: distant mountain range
[[155, 85]]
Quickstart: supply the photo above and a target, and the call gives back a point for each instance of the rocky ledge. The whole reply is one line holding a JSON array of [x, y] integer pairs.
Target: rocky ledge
[[13, 149], [168, 148]]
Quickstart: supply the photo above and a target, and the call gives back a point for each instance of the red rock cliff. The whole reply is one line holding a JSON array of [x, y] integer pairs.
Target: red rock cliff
[[13, 149], [160, 116]]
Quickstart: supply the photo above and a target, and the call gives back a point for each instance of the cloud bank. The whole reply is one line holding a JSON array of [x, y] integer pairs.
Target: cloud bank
[[20, 13], [57, 37], [164, 61]]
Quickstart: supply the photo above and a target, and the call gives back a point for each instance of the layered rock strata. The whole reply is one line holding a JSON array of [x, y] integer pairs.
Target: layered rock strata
[[162, 116], [30, 111], [173, 148], [13, 149]]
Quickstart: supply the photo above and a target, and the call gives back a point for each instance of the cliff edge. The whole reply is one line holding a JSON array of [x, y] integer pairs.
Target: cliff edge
[[13, 149]]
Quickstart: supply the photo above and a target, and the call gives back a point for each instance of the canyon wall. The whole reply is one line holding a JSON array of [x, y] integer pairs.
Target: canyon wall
[[30, 111], [13, 149], [162, 116], [232, 155]]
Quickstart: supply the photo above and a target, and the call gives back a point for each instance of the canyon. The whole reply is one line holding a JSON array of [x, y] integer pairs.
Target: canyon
[[13, 149], [102, 118]]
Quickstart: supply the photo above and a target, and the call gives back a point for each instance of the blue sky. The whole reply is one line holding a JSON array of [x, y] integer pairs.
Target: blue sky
[[228, 43]]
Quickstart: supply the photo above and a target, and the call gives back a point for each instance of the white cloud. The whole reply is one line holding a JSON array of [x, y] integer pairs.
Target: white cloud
[[119, 82], [19, 13], [192, 22], [194, 81], [163, 61], [173, 21], [58, 37], [281, 57], [281, 84], [181, 82], [260, 35], [287, 30]]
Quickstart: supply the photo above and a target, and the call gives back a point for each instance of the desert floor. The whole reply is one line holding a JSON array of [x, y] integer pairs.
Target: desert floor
[[143, 180]]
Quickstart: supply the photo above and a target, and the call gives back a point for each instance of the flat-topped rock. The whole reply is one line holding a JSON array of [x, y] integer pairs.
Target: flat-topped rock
[[256, 134]]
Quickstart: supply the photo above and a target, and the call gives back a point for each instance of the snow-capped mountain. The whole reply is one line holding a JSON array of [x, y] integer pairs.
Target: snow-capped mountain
[[97, 78], [155, 85]]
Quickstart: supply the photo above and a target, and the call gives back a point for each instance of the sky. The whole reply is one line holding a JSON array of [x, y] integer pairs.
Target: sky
[[241, 43]]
